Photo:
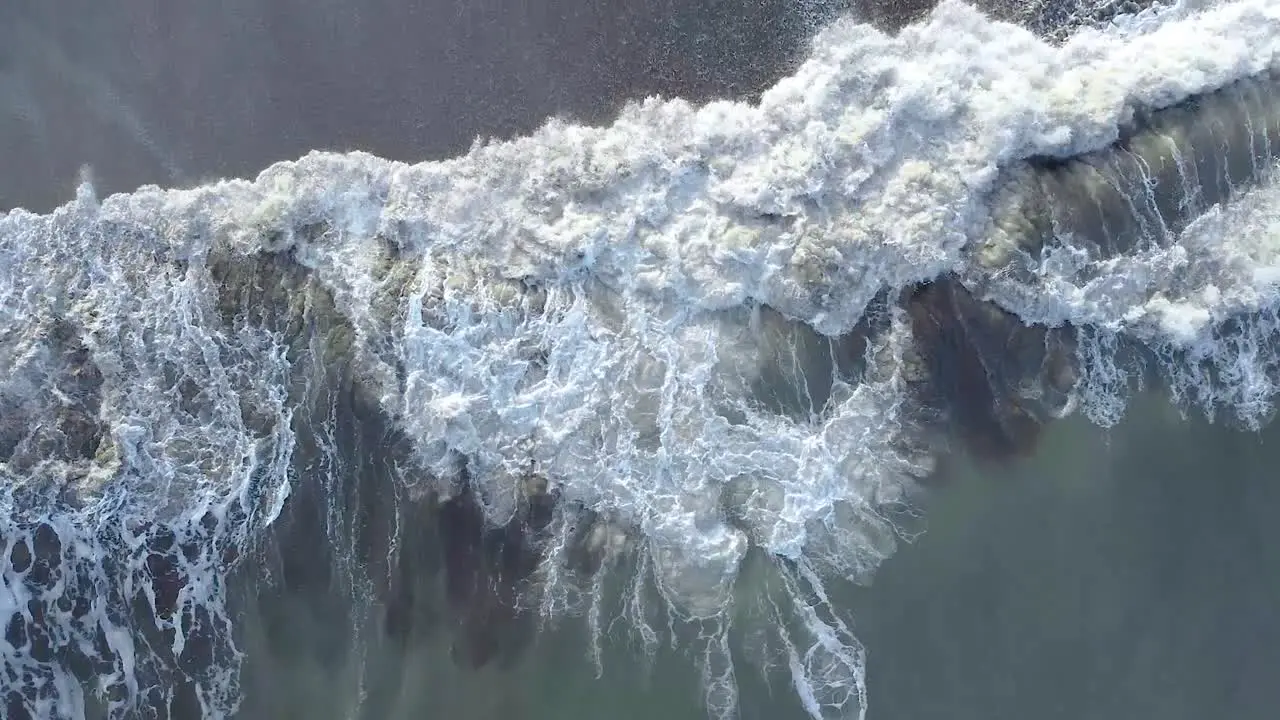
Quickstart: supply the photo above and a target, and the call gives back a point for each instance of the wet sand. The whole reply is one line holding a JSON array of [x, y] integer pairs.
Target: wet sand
[[181, 91], [177, 92]]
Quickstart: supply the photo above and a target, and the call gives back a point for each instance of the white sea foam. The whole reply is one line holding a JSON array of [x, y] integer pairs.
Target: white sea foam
[[592, 305]]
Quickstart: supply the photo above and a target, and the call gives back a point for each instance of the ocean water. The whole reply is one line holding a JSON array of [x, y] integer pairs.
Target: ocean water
[[932, 379], [1118, 574]]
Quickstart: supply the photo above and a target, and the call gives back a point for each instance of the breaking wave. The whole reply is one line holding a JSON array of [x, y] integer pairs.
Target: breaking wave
[[646, 353]]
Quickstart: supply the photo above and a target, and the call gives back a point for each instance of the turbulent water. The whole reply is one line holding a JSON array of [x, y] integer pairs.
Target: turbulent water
[[645, 355]]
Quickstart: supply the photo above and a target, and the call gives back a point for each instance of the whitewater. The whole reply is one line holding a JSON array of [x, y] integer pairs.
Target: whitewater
[[694, 334]]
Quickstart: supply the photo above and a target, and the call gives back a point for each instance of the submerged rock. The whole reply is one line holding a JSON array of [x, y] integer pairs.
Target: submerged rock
[[486, 568], [997, 380]]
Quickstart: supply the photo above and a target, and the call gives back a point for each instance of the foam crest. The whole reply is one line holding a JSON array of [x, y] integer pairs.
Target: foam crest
[[1167, 241]]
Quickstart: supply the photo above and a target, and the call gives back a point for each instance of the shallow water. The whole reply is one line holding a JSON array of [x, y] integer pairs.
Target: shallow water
[[1113, 573], [1117, 573]]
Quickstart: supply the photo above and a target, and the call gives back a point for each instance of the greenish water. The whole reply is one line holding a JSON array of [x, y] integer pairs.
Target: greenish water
[[1122, 573]]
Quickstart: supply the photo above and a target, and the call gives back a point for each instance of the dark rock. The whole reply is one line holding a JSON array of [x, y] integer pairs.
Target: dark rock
[[485, 571], [997, 380]]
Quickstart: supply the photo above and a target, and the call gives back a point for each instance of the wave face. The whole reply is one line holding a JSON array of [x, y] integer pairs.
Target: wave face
[[648, 352]]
